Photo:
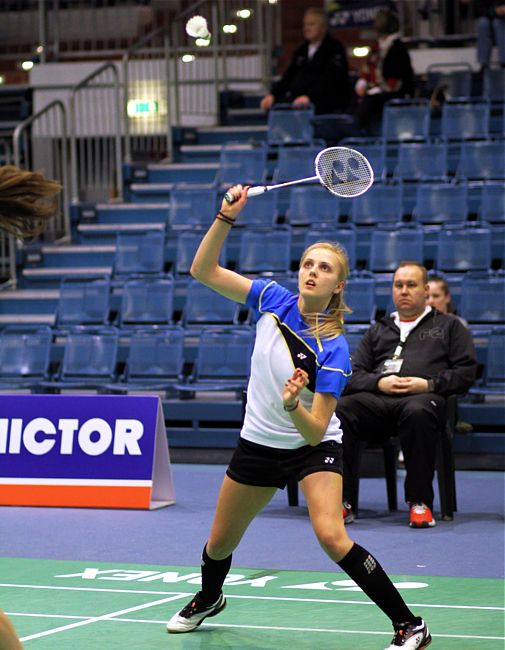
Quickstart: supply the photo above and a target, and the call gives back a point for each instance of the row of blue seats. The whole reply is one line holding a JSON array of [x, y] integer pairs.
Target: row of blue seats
[[453, 248], [479, 297], [107, 359]]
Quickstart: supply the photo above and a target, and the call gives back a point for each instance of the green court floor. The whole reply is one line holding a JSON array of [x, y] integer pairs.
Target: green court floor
[[86, 605]]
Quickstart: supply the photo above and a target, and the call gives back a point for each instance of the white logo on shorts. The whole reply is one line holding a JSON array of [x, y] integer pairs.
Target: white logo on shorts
[[300, 355], [329, 459]]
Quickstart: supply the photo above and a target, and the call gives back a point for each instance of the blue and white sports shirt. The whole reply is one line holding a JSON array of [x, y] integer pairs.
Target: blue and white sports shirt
[[281, 346]]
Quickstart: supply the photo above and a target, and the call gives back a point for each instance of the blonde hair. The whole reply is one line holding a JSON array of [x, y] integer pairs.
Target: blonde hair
[[330, 323], [27, 201]]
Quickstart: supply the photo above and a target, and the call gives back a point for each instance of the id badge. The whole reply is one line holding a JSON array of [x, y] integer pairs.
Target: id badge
[[391, 366]]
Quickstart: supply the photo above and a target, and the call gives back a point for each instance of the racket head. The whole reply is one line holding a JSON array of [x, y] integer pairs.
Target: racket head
[[345, 172]]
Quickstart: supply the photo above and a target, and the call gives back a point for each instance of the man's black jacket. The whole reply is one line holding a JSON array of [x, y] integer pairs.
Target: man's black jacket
[[439, 348], [324, 78]]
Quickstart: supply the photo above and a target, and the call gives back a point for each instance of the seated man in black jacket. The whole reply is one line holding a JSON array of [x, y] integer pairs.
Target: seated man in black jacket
[[318, 73], [403, 369]]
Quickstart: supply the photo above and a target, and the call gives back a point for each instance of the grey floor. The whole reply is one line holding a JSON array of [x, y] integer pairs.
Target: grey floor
[[280, 537]]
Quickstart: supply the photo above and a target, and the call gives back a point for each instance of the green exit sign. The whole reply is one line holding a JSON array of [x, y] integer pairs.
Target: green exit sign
[[142, 108]]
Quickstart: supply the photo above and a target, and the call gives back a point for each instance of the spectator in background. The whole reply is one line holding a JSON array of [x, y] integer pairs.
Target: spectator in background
[[405, 366], [490, 31], [388, 72], [440, 298], [318, 73]]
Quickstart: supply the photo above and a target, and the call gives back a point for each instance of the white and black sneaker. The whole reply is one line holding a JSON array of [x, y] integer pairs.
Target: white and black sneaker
[[411, 636], [190, 616]]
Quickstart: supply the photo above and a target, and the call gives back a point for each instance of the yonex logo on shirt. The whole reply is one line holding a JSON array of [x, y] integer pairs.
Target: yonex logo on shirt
[[300, 355]]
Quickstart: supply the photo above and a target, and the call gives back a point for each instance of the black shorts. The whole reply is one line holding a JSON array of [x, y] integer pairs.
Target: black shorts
[[254, 464]]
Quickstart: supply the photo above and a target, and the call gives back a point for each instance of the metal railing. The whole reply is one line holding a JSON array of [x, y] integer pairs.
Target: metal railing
[[95, 137]]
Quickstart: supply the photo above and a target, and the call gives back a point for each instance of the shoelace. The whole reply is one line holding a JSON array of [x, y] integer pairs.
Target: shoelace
[[419, 508]]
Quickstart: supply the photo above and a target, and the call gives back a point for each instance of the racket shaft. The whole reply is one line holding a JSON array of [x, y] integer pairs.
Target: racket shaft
[[261, 189]]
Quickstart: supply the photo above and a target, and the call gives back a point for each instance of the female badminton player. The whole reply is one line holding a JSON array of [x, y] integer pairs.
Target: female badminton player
[[27, 202], [299, 366]]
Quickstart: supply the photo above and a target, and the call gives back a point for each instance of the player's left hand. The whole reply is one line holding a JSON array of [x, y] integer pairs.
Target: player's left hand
[[293, 387]]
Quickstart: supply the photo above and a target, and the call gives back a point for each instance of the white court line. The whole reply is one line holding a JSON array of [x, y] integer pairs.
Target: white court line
[[95, 619], [271, 598], [267, 627]]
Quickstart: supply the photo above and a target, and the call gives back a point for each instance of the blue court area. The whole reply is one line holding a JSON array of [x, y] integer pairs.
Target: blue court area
[[78, 578]]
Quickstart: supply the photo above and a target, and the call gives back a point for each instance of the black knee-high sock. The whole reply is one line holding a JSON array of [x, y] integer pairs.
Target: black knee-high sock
[[368, 574], [213, 574]]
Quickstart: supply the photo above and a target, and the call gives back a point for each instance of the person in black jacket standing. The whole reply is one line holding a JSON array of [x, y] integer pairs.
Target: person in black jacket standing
[[318, 73], [403, 369]]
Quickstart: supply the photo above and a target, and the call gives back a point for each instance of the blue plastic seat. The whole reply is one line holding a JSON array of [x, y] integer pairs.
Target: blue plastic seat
[[353, 337], [440, 203], [483, 298], [295, 163], [186, 247], [192, 206], [454, 79], [310, 204], [83, 301], [492, 205], [290, 125], [484, 159], [374, 151], [223, 360], [422, 161], [406, 119], [265, 250], [139, 253], [462, 119], [89, 359], [464, 248], [206, 307], [260, 211], [390, 246], [345, 235], [380, 204], [146, 301], [25, 354], [493, 382], [242, 163], [360, 297], [154, 363]]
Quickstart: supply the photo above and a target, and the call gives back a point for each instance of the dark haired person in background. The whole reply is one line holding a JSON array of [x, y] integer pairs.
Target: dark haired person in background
[[388, 72]]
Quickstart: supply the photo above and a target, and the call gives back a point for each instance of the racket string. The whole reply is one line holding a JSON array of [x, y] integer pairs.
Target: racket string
[[343, 171]]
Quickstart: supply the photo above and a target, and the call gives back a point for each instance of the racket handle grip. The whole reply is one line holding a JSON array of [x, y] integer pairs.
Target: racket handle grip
[[252, 191]]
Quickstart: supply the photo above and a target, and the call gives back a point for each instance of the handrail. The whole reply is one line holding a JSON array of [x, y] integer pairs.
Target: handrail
[[73, 135]]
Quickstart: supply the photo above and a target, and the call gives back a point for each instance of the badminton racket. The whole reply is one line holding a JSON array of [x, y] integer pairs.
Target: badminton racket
[[343, 171]]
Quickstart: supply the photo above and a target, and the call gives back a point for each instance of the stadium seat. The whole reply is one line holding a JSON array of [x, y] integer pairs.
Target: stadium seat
[[452, 79], [146, 301], [492, 204], [154, 363], [311, 204], [483, 298], [440, 203], [390, 246], [462, 119], [192, 206], [139, 253], [260, 211], [382, 203], [265, 250], [83, 301], [186, 246], [223, 360], [493, 381], [482, 160], [360, 297], [290, 125], [206, 307], [406, 119], [494, 84], [242, 163], [294, 163], [464, 248], [89, 360], [422, 161], [25, 354]]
